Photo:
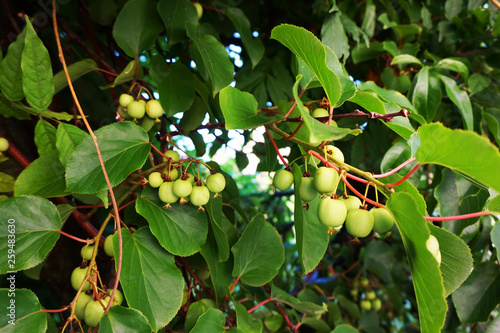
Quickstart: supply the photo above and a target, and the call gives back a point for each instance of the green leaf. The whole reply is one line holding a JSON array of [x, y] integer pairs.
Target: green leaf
[[6, 183], [438, 145], [175, 15], [311, 236], [180, 230], [494, 204], [378, 258], [38, 81], [456, 259], [214, 209], [76, 70], [211, 321], [67, 138], [259, 253], [318, 325], [453, 65], [426, 95], [348, 86], [11, 75], [334, 36], [193, 117], [245, 321], [426, 276], [124, 147], [137, 26], [492, 118], [478, 295], [461, 99], [126, 75], [369, 101], [343, 328], [308, 308], [452, 8], [213, 56], [120, 319], [148, 271], [405, 60], [362, 52], [253, 46], [36, 224], [312, 52], [477, 82], [240, 109], [44, 177], [495, 237], [45, 137], [27, 316], [176, 88], [9, 109], [196, 309]]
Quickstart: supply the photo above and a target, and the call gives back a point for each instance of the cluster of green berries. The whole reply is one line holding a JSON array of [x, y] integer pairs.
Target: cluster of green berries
[[173, 186], [130, 108], [369, 299], [86, 307], [334, 212]]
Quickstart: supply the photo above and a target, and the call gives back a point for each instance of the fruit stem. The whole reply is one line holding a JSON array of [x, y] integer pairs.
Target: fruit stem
[[81, 240], [276, 148], [459, 217], [260, 304], [359, 194]]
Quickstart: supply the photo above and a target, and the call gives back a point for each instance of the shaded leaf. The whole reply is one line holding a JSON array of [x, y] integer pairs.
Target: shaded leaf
[[461, 99], [176, 88], [453, 65], [11, 75], [45, 137], [76, 70], [211, 321], [67, 138], [175, 15], [426, 95], [126, 320], [6, 182], [405, 59], [245, 321], [28, 316]]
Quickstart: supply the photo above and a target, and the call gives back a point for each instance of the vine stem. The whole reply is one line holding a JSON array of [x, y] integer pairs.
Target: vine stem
[[459, 217], [396, 169], [260, 304], [344, 179], [81, 240], [283, 313], [234, 284], [402, 180], [276, 148], [99, 155]]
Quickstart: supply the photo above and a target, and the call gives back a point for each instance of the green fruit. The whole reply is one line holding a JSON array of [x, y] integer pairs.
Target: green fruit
[[376, 304], [77, 277], [359, 223], [371, 295], [182, 188], [326, 180], [155, 179], [81, 303], [320, 112], [166, 193], [199, 9], [331, 212], [86, 252], [307, 190], [108, 246], [118, 299], [383, 220], [199, 195], [216, 182], [173, 173], [136, 109], [364, 281], [335, 153], [172, 154], [4, 144], [154, 109], [94, 311], [125, 100], [351, 202], [283, 179], [354, 293], [122, 111], [366, 305]]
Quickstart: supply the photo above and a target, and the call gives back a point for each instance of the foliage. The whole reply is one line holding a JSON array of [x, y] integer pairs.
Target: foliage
[[411, 91]]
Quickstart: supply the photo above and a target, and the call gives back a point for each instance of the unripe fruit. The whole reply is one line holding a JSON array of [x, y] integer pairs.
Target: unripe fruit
[[320, 112], [307, 190], [172, 154], [199, 9], [283, 179], [118, 299], [77, 277], [331, 212], [94, 311], [182, 188], [173, 173], [376, 304], [364, 281], [108, 246], [216, 182], [335, 153], [155, 179], [4, 144], [326, 180], [199, 196], [383, 220], [351, 202], [354, 293], [366, 305], [136, 109], [371, 295], [154, 109], [166, 193], [125, 100], [86, 252], [122, 111], [359, 223], [432, 245], [81, 303]]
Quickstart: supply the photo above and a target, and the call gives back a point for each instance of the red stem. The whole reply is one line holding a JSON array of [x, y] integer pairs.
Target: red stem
[[158, 151], [283, 313], [72, 237], [18, 156], [127, 204], [458, 217], [328, 164], [396, 169], [260, 304], [359, 194], [276, 148], [234, 284], [294, 132], [402, 180]]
